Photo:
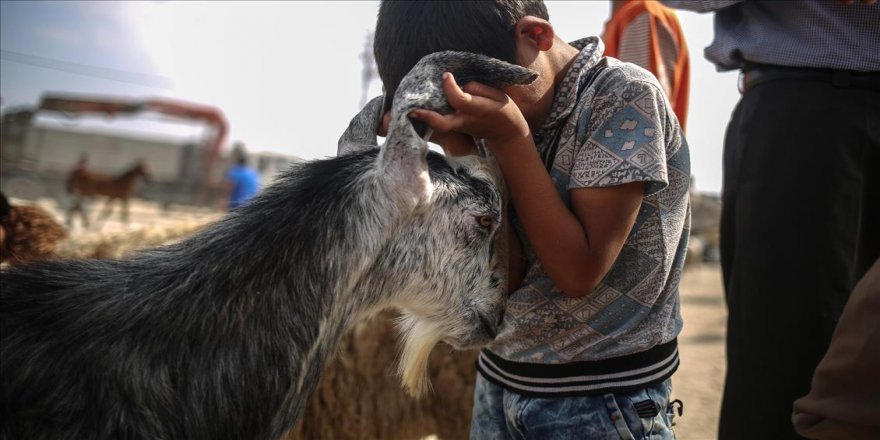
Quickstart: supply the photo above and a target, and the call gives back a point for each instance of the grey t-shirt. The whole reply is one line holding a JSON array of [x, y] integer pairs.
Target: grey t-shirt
[[618, 129]]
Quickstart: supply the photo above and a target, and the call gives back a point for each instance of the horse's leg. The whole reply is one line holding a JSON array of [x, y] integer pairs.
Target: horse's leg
[[73, 207], [124, 208], [82, 212], [76, 206], [108, 209]]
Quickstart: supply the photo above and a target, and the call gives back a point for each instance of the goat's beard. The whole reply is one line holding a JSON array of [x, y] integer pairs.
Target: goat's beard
[[419, 339]]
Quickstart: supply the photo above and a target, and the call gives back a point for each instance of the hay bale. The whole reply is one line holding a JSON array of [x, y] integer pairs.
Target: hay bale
[[121, 243], [359, 396]]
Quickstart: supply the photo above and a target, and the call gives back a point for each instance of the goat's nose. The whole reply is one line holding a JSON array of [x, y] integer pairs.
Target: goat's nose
[[488, 326], [494, 282]]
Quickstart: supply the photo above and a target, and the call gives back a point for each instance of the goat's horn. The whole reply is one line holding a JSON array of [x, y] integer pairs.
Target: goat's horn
[[423, 88]]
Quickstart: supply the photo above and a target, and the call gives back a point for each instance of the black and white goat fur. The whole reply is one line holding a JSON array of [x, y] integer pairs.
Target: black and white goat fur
[[224, 335]]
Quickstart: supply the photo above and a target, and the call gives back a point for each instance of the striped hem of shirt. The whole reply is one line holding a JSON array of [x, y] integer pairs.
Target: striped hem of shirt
[[615, 375]]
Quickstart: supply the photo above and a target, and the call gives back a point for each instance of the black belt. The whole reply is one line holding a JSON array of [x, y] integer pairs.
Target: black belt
[[754, 74]]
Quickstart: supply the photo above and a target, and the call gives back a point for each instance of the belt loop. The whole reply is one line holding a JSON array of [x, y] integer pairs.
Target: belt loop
[[841, 78]]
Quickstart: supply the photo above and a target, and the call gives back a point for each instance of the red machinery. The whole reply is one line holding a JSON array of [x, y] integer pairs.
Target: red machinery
[[74, 105]]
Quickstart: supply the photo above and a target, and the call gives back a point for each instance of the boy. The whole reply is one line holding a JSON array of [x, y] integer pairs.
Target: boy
[[587, 344]]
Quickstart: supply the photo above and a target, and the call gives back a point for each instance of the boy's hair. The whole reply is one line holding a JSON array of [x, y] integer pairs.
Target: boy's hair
[[406, 31]]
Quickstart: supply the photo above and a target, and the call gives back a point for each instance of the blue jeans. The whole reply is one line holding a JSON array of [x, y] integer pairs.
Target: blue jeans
[[502, 414]]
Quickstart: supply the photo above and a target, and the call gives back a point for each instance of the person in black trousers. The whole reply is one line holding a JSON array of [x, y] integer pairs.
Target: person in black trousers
[[800, 195]]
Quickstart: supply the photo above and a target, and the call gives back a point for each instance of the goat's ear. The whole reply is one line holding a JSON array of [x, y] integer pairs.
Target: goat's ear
[[402, 159], [422, 87], [402, 162], [361, 132]]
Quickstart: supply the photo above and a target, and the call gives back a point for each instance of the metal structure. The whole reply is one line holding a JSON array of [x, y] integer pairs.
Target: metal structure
[[16, 125], [74, 105]]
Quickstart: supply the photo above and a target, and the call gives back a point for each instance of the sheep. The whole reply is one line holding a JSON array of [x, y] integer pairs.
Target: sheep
[[224, 335]]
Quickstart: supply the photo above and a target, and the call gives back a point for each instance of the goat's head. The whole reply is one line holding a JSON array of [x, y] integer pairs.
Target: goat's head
[[452, 256], [142, 170], [448, 259]]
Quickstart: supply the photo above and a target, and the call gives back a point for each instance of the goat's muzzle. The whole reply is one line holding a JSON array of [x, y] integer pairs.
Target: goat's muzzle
[[490, 326]]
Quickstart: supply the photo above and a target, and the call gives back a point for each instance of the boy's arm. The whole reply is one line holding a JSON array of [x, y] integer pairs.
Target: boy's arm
[[576, 248]]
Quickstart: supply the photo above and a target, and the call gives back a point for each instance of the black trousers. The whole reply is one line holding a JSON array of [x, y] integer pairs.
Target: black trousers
[[800, 225]]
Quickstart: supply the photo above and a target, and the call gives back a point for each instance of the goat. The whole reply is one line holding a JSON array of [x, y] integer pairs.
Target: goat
[[225, 334]]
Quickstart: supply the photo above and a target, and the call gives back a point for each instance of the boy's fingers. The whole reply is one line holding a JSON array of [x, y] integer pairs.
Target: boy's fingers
[[454, 94], [435, 120], [480, 89]]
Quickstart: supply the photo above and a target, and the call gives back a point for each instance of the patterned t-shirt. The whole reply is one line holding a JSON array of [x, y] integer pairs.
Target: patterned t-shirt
[[610, 124]]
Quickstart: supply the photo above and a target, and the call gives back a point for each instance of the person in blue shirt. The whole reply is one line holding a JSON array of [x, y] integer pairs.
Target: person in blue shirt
[[242, 181]]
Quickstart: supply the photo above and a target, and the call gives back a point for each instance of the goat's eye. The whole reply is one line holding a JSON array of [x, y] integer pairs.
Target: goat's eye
[[485, 220]]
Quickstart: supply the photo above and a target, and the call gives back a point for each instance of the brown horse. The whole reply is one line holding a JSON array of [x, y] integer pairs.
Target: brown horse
[[83, 183]]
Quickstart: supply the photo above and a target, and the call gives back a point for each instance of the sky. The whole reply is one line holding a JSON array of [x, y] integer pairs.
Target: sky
[[286, 74]]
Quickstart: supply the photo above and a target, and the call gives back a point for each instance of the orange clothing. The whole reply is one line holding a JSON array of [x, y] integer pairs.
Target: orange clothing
[[648, 34]]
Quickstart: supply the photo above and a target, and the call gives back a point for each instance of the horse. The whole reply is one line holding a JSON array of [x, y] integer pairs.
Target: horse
[[83, 183]]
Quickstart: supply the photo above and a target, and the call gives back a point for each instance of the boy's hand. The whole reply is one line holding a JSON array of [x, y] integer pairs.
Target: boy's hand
[[480, 111], [453, 143]]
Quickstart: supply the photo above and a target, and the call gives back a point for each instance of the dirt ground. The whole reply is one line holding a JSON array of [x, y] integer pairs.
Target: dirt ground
[[697, 383], [141, 214], [700, 378]]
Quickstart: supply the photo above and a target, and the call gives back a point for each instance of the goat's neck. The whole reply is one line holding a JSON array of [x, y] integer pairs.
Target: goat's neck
[[344, 308], [305, 290]]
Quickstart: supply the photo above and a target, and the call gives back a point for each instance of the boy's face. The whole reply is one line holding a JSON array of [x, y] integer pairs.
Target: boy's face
[[535, 99]]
